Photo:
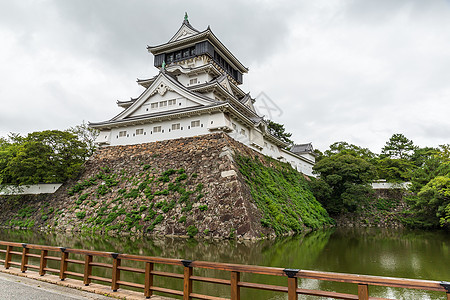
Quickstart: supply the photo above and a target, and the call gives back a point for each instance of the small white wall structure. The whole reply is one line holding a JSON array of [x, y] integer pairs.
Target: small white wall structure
[[34, 189], [384, 185]]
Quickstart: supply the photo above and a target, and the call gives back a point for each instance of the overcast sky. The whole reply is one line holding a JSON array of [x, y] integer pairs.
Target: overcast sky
[[355, 71]]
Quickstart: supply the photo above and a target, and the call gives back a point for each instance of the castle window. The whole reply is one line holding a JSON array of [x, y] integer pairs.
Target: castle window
[[186, 53], [178, 55], [265, 145], [195, 123], [163, 104], [176, 126], [170, 58], [192, 51], [172, 102], [123, 133], [154, 105], [193, 81], [139, 131], [157, 129]]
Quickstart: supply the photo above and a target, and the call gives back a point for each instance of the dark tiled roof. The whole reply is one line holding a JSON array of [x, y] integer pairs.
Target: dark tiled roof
[[302, 148]]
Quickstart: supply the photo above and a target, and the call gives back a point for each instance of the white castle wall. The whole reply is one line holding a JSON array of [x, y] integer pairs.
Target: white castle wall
[[208, 123], [44, 188], [382, 184]]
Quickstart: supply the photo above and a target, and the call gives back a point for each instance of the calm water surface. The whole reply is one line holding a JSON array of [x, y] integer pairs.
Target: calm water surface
[[393, 253]]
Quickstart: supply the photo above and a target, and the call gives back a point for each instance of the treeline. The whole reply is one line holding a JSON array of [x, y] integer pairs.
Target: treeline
[[49, 156], [346, 171]]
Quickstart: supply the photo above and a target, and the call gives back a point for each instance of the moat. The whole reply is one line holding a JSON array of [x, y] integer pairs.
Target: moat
[[394, 253]]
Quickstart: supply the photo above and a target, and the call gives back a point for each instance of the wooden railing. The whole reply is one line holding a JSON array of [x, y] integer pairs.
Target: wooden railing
[[188, 277]]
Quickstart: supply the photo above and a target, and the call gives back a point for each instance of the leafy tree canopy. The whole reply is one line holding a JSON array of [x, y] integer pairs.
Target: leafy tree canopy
[[86, 135], [344, 181], [279, 131], [41, 157], [394, 170], [434, 201], [398, 147], [346, 148]]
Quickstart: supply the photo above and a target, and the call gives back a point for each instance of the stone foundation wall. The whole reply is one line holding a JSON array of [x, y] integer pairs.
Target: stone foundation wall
[[189, 186]]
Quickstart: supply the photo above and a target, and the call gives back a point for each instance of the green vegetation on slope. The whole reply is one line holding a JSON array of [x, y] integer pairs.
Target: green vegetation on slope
[[282, 194], [151, 196], [346, 172]]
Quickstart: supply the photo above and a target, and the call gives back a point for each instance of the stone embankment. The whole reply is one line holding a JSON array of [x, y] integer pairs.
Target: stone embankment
[[183, 187]]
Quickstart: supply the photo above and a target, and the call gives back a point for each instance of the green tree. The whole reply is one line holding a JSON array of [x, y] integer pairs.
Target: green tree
[[434, 201], [346, 148], [398, 147], [86, 135], [344, 182], [395, 163], [41, 157], [428, 163], [394, 170], [279, 131]]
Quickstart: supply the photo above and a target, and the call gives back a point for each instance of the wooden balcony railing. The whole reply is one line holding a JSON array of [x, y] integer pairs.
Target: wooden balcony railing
[[188, 277]]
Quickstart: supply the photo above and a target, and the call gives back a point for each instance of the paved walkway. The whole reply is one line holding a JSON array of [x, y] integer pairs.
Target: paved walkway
[[29, 285], [15, 287]]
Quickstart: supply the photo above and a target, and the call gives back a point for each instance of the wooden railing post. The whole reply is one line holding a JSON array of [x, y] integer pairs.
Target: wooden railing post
[[115, 272], [43, 262], [363, 292], [187, 284], [292, 283], [8, 256], [148, 279], [235, 290], [446, 286], [63, 266], [23, 265], [87, 269]]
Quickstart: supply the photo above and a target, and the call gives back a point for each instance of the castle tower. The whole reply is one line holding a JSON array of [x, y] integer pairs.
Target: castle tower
[[195, 93]]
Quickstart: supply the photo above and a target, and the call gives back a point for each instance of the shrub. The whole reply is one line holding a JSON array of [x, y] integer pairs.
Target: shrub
[[203, 207], [134, 193], [191, 231], [231, 236], [181, 177], [102, 190], [80, 215]]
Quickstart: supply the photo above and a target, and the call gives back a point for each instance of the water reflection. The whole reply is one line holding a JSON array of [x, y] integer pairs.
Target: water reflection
[[396, 253]]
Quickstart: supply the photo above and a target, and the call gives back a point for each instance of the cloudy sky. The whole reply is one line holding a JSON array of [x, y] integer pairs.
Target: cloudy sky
[[355, 71]]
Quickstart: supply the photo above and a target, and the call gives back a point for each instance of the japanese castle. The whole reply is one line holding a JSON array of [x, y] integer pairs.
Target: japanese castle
[[196, 93]]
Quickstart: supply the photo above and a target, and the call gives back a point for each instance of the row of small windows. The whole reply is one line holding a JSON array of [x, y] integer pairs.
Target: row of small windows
[[163, 103], [226, 66], [158, 129], [267, 146], [180, 54], [242, 132]]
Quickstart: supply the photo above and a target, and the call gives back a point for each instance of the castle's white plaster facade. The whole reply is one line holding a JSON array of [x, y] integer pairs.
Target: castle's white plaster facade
[[195, 93]]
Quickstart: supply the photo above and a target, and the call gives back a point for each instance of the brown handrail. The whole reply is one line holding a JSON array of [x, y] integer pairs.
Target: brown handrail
[[188, 277]]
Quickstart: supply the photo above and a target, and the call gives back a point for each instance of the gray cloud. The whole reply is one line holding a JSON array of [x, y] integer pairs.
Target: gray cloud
[[350, 70]]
